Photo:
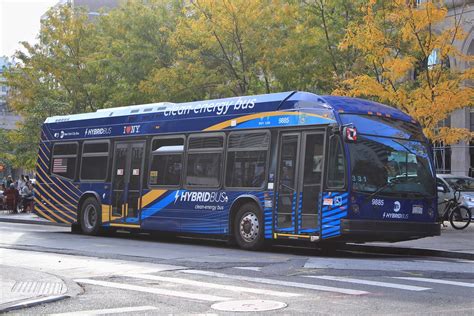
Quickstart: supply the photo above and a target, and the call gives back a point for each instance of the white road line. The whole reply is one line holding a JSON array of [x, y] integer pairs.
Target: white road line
[[465, 284], [368, 282], [109, 311], [277, 282], [238, 289], [258, 269], [194, 296]]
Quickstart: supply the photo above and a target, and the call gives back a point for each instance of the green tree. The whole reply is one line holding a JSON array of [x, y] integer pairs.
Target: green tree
[[134, 40], [397, 39], [51, 78]]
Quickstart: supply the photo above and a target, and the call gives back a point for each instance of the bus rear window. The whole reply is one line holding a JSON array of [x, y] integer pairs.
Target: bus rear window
[[64, 160]]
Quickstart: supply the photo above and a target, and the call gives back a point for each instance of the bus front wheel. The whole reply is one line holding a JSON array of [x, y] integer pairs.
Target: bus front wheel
[[90, 217], [248, 227]]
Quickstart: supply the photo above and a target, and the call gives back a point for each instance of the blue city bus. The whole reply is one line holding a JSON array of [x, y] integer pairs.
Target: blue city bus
[[290, 165]]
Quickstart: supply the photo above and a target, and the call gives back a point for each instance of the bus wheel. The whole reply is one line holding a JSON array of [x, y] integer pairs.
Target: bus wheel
[[90, 217], [248, 227]]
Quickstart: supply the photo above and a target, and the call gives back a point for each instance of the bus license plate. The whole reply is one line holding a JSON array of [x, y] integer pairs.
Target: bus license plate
[[417, 209]]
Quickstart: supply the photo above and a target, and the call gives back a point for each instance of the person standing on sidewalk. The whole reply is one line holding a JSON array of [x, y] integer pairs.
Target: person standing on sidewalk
[[9, 181], [27, 197], [21, 183]]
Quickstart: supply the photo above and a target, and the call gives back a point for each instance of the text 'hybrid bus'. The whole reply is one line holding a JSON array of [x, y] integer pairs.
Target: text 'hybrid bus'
[[290, 165]]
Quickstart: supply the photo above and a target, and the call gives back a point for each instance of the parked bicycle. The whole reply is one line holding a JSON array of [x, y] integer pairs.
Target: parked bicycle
[[458, 215]]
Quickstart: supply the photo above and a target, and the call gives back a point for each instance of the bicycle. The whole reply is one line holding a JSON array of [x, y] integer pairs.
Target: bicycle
[[458, 215]]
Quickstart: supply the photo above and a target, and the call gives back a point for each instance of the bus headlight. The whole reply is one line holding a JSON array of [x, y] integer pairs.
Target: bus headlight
[[355, 208], [430, 213]]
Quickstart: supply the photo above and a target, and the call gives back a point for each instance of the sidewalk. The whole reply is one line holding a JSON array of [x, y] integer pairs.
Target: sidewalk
[[26, 218], [21, 288], [452, 243]]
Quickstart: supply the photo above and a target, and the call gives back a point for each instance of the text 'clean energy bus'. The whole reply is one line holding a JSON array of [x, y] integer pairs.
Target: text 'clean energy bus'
[[290, 165]]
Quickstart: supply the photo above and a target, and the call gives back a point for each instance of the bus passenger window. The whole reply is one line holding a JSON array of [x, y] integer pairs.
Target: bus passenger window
[[94, 162], [336, 168], [64, 160], [204, 160], [247, 159], [166, 161]]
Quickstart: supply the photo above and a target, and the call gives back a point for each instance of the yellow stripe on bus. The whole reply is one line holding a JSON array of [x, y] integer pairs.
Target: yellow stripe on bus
[[105, 213], [51, 181], [55, 215], [54, 206], [152, 196], [125, 225], [249, 117], [59, 179]]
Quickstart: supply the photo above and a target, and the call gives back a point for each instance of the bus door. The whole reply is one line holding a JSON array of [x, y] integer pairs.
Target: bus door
[[127, 176], [300, 170]]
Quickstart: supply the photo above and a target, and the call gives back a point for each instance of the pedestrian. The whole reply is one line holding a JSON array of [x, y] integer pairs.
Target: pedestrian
[[11, 198], [21, 183], [9, 181], [27, 197]]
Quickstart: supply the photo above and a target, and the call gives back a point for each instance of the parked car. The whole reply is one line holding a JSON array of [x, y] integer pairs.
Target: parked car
[[446, 184]]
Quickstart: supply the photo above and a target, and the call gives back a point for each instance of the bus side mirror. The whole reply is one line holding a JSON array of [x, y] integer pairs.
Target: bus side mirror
[[441, 189], [350, 134]]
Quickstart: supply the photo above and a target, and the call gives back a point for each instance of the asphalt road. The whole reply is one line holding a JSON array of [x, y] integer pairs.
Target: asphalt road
[[152, 275]]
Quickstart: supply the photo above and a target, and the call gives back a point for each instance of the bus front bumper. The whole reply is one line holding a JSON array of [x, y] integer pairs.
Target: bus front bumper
[[368, 230]]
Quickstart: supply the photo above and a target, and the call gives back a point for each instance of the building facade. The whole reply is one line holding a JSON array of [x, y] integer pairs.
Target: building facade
[[462, 154]]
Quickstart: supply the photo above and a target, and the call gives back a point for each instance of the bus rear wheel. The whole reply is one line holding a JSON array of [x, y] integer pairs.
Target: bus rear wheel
[[90, 217], [248, 227]]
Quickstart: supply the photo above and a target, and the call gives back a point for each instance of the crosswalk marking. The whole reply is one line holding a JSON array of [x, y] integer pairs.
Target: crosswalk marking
[[201, 297], [368, 282], [277, 282], [233, 288], [109, 311], [465, 284]]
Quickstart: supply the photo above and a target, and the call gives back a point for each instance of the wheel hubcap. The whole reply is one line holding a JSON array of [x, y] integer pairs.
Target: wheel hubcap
[[249, 227], [90, 216]]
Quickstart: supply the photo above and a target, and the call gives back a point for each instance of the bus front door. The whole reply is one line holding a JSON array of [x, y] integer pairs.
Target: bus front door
[[127, 182], [300, 169]]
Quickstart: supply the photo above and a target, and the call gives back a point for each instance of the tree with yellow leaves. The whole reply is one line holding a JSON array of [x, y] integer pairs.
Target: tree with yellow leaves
[[407, 54]]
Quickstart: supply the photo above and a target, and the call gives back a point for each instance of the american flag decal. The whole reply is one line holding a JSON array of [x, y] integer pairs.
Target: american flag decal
[[60, 165]]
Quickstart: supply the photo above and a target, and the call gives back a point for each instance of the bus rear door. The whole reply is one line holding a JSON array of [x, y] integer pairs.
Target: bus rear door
[[127, 179], [300, 169]]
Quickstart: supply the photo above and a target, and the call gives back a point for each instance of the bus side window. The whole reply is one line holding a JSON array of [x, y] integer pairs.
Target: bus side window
[[94, 162], [336, 167], [247, 159], [204, 163], [166, 161], [64, 160]]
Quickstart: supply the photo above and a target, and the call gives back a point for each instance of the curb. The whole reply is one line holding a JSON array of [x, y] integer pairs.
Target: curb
[[410, 251], [73, 290], [31, 221], [32, 302]]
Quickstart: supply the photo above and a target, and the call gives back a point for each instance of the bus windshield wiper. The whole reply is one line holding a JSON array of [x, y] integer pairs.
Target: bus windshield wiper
[[385, 186]]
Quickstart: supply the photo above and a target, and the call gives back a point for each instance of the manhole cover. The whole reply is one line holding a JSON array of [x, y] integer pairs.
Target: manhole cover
[[41, 288], [248, 306]]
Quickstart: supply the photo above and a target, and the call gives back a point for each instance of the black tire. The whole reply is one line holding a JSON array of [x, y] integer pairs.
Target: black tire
[[91, 217], [248, 227], [460, 217]]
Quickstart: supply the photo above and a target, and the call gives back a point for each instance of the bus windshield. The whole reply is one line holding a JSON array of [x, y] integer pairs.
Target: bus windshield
[[391, 166]]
